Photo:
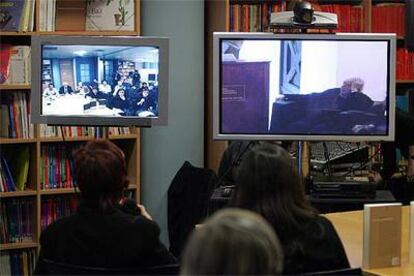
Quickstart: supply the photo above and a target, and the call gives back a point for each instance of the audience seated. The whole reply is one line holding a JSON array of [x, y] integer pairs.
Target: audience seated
[[233, 242], [107, 231], [268, 184]]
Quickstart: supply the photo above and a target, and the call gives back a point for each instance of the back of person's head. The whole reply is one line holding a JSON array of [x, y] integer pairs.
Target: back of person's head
[[100, 172], [268, 183], [233, 242]]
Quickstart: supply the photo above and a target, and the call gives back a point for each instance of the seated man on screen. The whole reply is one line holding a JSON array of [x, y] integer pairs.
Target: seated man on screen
[[95, 94], [104, 87], [65, 89], [50, 91], [352, 101]]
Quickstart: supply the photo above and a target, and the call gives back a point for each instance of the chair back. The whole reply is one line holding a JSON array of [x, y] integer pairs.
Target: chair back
[[57, 268]]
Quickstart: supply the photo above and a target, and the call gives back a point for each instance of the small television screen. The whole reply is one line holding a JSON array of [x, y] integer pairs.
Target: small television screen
[[304, 86], [99, 80]]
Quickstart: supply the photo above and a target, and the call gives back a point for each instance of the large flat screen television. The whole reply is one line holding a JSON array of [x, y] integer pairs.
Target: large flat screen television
[[304, 86], [99, 80]]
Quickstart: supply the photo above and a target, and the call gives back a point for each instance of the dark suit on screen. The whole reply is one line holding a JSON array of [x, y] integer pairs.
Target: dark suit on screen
[[65, 90]]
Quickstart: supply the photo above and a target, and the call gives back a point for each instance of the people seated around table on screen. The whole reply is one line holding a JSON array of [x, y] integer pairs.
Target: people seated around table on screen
[[268, 183], [120, 101], [104, 87], [94, 93], [145, 102], [233, 242], [50, 91], [65, 89], [108, 230]]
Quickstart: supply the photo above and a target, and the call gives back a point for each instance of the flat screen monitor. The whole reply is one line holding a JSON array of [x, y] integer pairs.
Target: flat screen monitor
[[304, 86], [99, 80]]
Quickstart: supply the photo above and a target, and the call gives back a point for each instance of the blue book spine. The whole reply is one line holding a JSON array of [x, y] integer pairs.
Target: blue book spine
[[9, 177]]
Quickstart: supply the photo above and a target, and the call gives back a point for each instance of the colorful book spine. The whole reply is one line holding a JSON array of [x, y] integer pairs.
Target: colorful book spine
[[17, 220], [57, 207], [18, 262]]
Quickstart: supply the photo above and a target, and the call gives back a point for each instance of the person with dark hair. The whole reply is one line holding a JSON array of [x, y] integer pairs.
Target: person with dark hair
[[136, 78], [120, 101], [107, 231], [233, 242], [268, 184], [95, 94], [145, 102]]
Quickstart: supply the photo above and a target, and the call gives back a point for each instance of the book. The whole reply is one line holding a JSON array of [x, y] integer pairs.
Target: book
[[110, 15], [381, 235], [70, 15], [10, 14]]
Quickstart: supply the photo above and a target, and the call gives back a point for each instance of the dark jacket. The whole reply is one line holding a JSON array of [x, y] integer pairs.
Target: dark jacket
[[318, 248], [188, 197], [68, 90], [110, 239]]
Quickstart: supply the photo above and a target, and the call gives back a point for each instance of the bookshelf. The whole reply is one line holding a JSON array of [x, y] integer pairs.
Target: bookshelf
[[221, 17], [129, 142]]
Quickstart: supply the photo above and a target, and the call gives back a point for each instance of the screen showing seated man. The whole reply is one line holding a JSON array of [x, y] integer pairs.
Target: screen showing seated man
[[304, 87], [93, 80]]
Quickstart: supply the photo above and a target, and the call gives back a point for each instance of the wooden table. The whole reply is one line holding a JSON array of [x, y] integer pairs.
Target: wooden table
[[349, 226]]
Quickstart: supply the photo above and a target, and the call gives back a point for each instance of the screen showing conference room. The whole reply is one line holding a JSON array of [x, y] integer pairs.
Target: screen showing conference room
[[304, 87], [97, 80]]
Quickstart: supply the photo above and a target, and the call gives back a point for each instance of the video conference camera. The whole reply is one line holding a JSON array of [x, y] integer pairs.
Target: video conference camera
[[303, 16]]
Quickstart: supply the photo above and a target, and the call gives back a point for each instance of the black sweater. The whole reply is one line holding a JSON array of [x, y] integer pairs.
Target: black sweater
[[112, 239]]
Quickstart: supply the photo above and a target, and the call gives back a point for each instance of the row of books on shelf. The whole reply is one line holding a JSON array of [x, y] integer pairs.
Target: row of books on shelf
[[80, 131], [15, 115], [57, 207], [350, 18], [405, 64], [14, 170], [17, 220], [18, 262], [253, 18], [15, 64], [57, 167], [17, 15], [388, 18]]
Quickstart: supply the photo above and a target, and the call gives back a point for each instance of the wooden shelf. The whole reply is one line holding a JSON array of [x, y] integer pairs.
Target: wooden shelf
[[70, 139], [15, 86], [59, 191], [17, 140], [91, 33], [18, 193], [405, 81], [18, 245], [120, 137], [97, 33], [17, 33]]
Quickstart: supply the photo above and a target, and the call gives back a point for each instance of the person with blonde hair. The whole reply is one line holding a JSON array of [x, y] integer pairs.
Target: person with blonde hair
[[233, 242]]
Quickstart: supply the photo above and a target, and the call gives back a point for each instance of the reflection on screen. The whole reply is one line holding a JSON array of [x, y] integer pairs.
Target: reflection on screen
[[309, 87], [97, 80]]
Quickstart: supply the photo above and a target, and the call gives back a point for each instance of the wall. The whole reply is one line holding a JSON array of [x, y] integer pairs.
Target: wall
[[165, 148]]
